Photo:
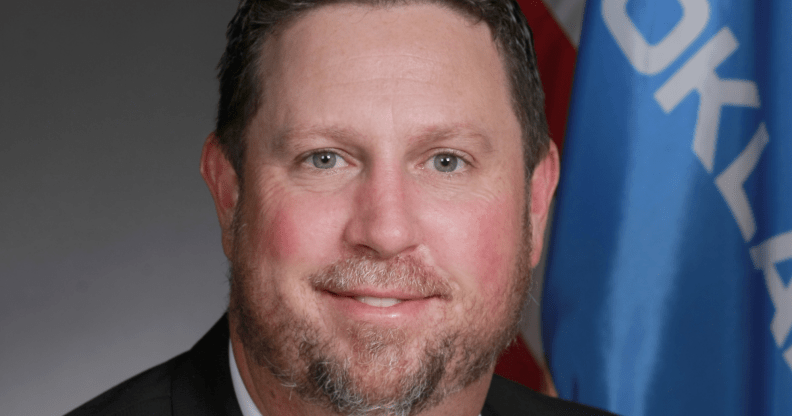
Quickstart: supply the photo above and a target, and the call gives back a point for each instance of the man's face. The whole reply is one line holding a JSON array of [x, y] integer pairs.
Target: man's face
[[380, 245]]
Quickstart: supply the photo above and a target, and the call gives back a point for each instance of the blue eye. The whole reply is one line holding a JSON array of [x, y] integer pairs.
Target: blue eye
[[324, 160], [446, 162]]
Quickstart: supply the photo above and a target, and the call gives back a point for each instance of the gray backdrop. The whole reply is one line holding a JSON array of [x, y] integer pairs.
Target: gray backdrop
[[110, 256]]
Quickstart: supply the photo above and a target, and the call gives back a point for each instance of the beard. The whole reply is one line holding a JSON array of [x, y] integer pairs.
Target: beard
[[379, 370]]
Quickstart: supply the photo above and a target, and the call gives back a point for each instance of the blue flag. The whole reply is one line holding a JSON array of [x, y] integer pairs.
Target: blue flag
[[668, 278]]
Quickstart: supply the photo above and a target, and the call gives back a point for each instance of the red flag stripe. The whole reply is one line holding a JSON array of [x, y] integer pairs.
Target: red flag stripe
[[556, 58]]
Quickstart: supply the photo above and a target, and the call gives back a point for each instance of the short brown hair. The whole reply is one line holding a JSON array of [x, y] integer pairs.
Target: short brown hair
[[256, 20]]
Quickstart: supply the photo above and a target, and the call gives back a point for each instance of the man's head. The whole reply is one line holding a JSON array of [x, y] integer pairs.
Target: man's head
[[380, 243]]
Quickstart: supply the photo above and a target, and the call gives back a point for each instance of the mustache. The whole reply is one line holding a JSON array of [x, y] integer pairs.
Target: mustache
[[407, 274]]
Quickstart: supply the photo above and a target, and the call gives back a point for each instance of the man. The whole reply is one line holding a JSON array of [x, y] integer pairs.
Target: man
[[382, 173]]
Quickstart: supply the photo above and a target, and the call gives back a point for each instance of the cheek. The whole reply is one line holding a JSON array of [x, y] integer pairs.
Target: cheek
[[296, 231], [481, 244], [494, 242]]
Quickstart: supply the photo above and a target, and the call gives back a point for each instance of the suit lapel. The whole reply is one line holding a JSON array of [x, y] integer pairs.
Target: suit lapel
[[201, 383]]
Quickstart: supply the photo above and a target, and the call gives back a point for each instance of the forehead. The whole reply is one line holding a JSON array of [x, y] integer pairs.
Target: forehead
[[408, 56]]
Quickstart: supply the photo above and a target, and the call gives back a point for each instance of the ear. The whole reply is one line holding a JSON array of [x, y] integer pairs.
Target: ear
[[220, 177], [543, 185]]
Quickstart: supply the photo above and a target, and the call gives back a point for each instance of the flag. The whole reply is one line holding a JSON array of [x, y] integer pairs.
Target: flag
[[668, 278]]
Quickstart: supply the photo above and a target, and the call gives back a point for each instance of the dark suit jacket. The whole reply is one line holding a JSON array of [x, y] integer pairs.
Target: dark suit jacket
[[198, 383]]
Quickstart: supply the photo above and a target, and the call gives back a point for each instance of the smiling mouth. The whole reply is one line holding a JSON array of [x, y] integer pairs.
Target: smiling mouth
[[388, 307], [378, 302]]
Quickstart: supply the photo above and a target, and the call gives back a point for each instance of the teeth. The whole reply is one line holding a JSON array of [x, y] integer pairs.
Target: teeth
[[378, 302]]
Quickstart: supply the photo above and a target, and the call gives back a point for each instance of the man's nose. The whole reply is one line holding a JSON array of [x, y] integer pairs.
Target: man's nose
[[382, 223]]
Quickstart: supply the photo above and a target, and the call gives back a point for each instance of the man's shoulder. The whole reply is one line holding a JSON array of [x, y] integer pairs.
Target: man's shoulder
[[506, 398], [148, 393], [195, 383]]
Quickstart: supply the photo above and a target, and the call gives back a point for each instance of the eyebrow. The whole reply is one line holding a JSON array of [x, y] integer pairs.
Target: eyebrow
[[443, 133], [281, 142]]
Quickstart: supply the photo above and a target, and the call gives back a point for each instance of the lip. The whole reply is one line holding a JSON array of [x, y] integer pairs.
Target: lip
[[412, 306], [379, 293]]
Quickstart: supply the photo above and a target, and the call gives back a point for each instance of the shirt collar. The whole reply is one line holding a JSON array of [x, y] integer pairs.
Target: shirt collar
[[243, 397]]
